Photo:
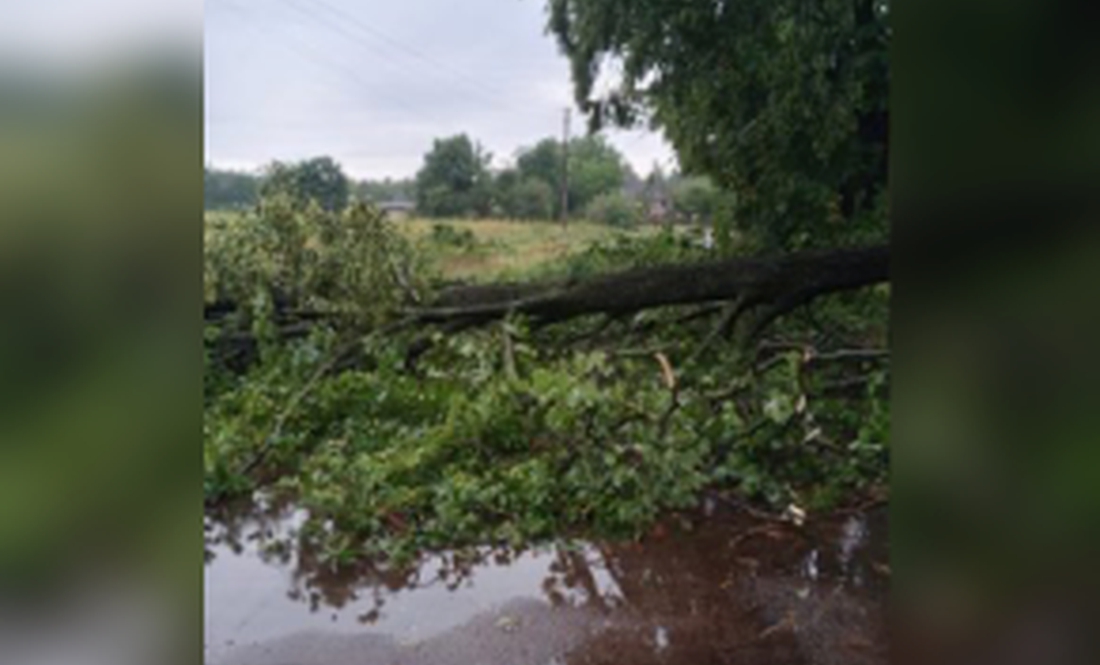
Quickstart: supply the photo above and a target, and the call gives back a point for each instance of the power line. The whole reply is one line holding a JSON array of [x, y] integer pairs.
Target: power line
[[494, 99], [309, 54], [341, 68], [436, 66], [337, 27]]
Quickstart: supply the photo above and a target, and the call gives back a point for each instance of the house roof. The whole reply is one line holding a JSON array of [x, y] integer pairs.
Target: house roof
[[396, 205]]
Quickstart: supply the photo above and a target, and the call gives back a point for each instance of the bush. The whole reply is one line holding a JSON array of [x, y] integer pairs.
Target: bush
[[352, 261], [614, 209], [449, 236], [532, 199], [696, 198]]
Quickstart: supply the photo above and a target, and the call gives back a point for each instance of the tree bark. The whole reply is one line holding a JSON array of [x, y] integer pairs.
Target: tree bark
[[777, 284], [772, 285]]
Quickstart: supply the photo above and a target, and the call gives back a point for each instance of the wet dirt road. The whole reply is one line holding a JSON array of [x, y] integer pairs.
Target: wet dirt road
[[712, 586]]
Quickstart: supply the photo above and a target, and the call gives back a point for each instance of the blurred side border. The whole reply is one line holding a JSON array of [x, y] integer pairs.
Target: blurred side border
[[100, 354], [995, 513]]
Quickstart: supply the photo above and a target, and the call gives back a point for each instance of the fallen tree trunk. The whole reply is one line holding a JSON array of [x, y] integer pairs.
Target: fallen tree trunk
[[772, 285], [777, 285]]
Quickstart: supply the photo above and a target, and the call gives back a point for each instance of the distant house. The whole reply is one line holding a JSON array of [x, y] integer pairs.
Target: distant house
[[658, 207], [633, 186], [652, 197], [397, 209], [657, 203]]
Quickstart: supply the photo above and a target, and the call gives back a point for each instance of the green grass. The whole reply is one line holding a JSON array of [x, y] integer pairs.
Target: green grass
[[510, 249], [505, 249]]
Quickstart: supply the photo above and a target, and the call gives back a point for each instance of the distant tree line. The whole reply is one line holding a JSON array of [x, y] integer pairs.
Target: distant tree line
[[387, 189], [320, 180], [456, 180], [229, 190]]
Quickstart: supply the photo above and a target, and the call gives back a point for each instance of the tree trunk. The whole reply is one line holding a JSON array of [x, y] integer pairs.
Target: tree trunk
[[777, 284], [773, 285]]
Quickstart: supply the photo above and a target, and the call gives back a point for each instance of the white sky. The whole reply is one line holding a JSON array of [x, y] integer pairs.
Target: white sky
[[372, 82]]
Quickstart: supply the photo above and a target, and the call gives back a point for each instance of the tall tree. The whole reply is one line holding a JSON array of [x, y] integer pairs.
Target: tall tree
[[695, 197], [520, 197], [542, 162], [505, 182], [595, 168], [784, 102], [534, 199], [320, 179], [454, 180]]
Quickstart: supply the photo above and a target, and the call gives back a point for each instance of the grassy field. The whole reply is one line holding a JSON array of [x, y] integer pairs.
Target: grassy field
[[504, 248], [495, 249]]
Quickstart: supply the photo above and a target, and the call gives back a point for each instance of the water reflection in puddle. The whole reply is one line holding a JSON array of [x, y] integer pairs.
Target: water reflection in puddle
[[712, 587]]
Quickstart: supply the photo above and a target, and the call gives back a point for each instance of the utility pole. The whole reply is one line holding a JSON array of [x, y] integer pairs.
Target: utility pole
[[565, 169]]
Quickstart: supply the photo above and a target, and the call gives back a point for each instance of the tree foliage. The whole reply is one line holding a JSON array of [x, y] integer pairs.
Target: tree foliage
[[783, 102], [595, 168], [515, 433], [387, 189], [347, 263], [454, 180], [533, 199], [587, 403], [319, 180], [229, 190], [696, 200], [695, 197], [614, 209]]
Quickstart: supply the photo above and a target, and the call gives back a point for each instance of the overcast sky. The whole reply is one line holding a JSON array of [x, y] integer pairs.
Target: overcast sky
[[372, 82]]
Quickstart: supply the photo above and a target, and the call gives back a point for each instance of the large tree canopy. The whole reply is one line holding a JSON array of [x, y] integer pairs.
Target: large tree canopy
[[522, 198], [320, 179], [783, 102], [454, 180], [595, 168]]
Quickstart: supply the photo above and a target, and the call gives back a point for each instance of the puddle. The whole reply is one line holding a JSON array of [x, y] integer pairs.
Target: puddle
[[713, 586]]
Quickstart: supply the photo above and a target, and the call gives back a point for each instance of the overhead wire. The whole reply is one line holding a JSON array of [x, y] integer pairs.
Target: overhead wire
[[312, 55], [353, 20], [436, 67], [474, 88]]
